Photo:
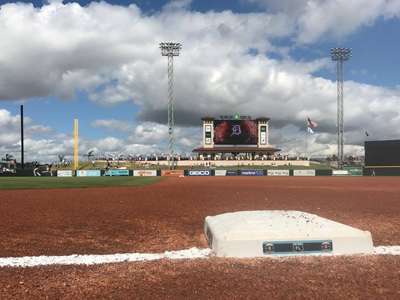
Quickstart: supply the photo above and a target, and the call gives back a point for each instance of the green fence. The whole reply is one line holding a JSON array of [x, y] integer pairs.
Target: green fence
[[354, 171]]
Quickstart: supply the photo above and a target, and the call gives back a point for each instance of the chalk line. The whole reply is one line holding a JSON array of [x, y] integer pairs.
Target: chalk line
[[192, 253]]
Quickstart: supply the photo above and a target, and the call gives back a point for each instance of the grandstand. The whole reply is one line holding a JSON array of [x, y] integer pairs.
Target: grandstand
[[232, 139]]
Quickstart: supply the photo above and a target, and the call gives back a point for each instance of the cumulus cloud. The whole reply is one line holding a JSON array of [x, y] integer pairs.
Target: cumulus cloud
[[111, 53], [43, 144], [313, 20], [112, 125]]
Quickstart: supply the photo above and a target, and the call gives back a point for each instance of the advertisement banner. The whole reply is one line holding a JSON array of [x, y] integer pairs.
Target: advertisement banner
[[278, 173], [340, 173], [144, 173], [220, 172], [303, 172], [252, 173], [231, 173], [117, 173], [172, 173], [88, 173], [199, 173], [354, 171], [65, 173]]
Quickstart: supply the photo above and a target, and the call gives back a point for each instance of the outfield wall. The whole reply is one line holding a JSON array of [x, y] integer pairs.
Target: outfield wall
[[348, 171]]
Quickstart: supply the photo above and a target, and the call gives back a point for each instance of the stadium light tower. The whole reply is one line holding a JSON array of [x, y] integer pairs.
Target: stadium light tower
[[340, 55], [170, 50]]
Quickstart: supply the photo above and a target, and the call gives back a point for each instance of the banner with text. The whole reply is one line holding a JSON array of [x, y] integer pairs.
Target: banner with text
[[144, 173], [354, 171], [340, 173], [252, 173], [278, 173], [303, 172], [88, 173], [199, 173], [172, 173], [117, 173], [64, 173]]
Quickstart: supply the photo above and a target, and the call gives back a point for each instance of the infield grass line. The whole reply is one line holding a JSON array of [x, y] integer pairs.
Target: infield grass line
[[20, 183]]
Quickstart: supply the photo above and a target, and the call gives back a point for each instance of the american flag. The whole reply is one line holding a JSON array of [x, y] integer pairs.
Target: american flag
[[312, 123]]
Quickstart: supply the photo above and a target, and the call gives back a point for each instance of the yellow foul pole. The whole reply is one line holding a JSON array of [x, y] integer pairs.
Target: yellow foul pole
[[76, 145]]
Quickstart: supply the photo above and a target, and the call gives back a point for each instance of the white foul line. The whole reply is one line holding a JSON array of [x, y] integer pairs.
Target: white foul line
[[34, 261]]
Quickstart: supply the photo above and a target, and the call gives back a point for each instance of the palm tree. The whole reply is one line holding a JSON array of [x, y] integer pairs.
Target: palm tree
[[8, 158], [62, 159], [89, 154]]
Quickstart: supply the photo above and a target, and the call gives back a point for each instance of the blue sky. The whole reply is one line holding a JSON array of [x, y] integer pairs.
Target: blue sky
[[100, 63]]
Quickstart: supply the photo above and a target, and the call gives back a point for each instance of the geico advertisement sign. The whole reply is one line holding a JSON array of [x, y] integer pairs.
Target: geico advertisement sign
[[172, 173], [252, 173], [199, 173], [304, 173], [278, 172], [144, 173], [64, 173]]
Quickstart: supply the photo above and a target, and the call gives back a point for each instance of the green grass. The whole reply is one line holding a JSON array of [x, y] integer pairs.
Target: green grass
[[18, 183]]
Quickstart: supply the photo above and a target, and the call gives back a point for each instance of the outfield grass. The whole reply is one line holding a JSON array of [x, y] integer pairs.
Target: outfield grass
[[18, 183]]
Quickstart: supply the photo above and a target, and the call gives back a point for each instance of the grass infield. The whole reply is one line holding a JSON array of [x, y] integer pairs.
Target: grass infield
[[19, 183]]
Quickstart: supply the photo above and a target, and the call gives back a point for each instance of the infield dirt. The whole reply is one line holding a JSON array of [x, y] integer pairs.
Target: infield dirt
[[170, 216]]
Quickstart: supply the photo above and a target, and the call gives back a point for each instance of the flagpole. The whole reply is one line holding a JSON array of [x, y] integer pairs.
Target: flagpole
[[305, 151]]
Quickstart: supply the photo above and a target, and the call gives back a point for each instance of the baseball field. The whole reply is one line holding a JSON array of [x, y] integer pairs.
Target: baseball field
[[51, 217]]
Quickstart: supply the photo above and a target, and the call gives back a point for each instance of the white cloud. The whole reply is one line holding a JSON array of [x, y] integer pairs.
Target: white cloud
[[112, 125], [313, 20], [45, 145], [111, 53]]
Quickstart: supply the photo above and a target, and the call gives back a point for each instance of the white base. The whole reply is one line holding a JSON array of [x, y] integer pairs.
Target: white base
[[282, 233]]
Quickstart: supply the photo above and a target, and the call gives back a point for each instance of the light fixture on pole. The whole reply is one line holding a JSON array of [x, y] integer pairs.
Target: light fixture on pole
[[170, 50], [340, 55]]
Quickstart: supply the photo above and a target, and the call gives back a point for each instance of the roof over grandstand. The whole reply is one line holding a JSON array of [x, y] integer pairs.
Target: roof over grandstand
[[207, 118], [263, 119], [236, 149]]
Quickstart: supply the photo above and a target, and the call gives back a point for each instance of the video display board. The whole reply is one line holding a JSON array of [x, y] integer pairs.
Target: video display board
[[382, 153], [231, 132]]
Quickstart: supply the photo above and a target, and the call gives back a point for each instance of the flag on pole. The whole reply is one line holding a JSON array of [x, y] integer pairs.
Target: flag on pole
[[310, 130], [312, 123], [366, 133]]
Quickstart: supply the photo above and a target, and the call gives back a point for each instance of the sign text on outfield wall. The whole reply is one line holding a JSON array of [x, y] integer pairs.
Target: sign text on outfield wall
[[225, 173], [252, 173], [172, 173], [340, 173], [144, 173], [117, 173], [278, 173], [303, 172], [88, 173], [199, 173], [65, 173], [354, 171]]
